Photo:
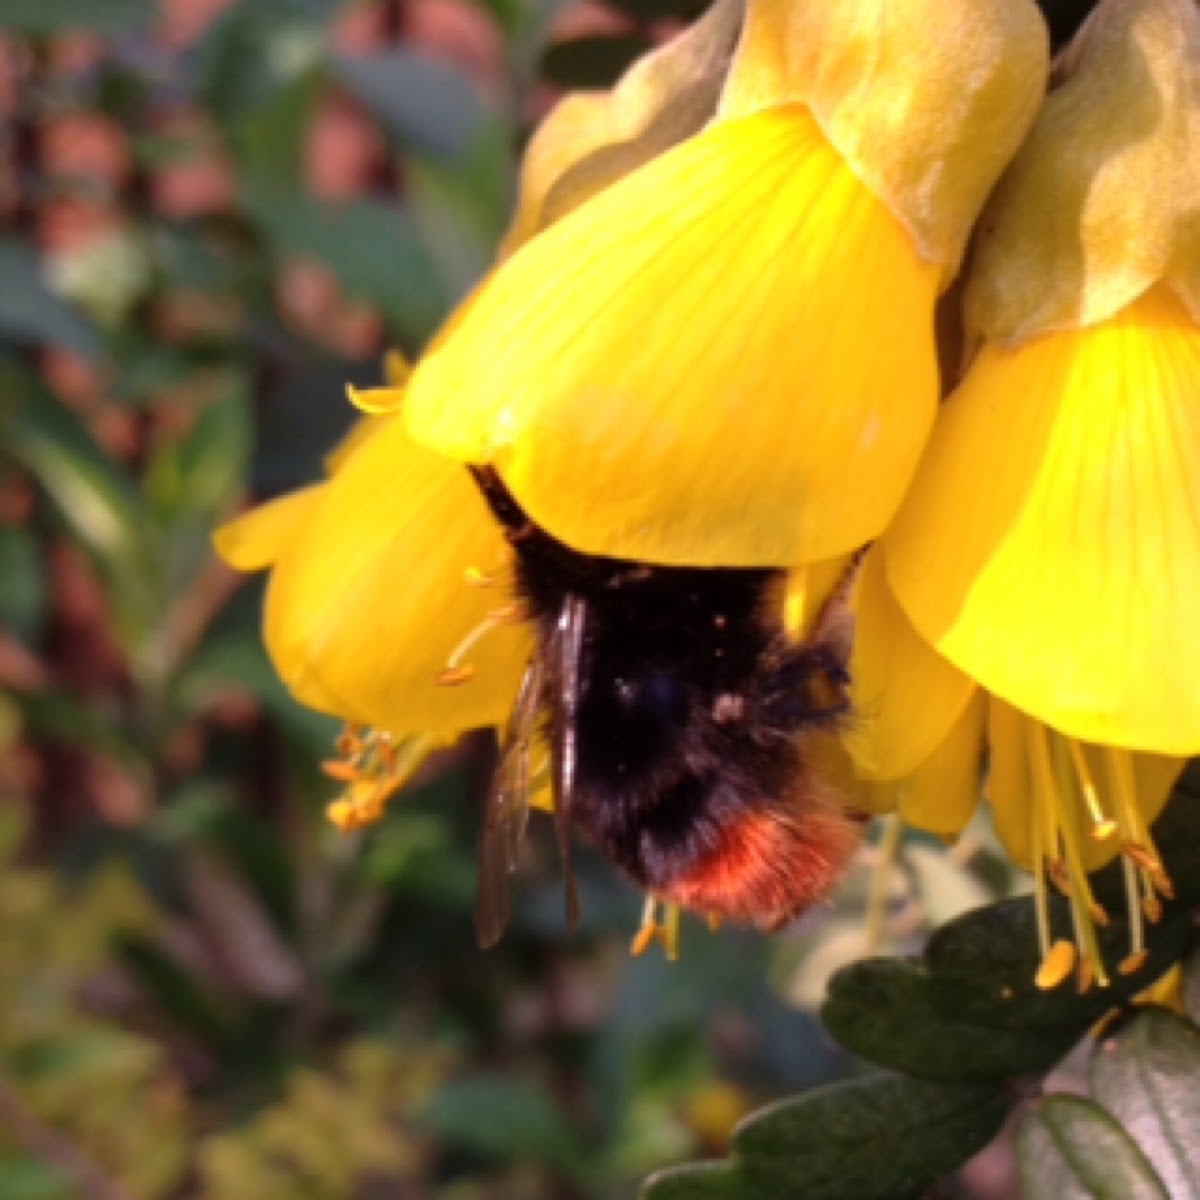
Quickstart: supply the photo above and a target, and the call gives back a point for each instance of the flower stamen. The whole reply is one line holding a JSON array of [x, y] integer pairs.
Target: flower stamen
[[1102, 827], [795, 602], [665, 932], [375, 769], [456, 671]]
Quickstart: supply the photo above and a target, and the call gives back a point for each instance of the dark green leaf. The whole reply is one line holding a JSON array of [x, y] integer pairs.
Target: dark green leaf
[[1147, 1074], [97, 501], [874, 1138], [58, 16], [503, 1118], [200, 475], [31, 312], [1070, 1149], [373, 249], [23, 596], [424, 102], [593, 62], [252, 53], [699, 1181], [895, 1013], [882, 1137]]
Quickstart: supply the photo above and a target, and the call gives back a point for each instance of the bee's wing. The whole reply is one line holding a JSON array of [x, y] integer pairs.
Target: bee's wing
[[566, 654], [505, 814]]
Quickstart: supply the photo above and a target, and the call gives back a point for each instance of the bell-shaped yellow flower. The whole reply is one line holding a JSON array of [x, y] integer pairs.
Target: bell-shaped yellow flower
[[378, 576], [1061, 806], [675, 371], [1050, 545]]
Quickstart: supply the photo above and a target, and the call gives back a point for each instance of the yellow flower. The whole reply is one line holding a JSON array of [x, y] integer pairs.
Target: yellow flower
[[675, 372], [377, 602], [1061, 806]]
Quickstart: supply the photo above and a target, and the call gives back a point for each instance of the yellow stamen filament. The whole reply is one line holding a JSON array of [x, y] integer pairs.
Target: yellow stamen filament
[[1139, 844], [1102, 827], [651, 930], [1085, 976], [1057, 965], [1046, 792], [456, 671], [795, 603], [1133, 897], [375, 401], [881, 876], [1040, 907]]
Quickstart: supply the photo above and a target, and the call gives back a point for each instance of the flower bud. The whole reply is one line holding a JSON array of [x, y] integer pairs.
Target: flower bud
[[1101, 202], [592, 139], [926, 101]]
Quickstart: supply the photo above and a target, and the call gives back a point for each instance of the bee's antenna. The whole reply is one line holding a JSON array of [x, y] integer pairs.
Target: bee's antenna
[[568, 648]]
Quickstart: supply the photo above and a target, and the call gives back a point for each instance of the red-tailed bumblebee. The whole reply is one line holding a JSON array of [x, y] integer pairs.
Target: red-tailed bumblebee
[[677, 711]]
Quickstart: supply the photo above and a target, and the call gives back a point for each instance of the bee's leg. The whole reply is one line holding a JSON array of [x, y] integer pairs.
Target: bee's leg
[[567, 651]]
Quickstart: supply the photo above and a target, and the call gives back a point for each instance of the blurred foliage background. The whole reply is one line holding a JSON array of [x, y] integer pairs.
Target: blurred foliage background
[[213, 214]]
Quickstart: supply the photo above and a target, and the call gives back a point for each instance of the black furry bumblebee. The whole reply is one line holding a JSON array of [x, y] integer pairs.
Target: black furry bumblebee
[[677, 711]]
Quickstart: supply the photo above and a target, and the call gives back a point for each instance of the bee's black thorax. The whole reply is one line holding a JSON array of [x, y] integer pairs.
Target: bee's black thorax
[[692, 703]]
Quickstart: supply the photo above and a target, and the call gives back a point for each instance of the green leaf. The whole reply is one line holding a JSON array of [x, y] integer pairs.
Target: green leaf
[[23, 596], [31, 312], [593, 62], [58, 16], [1070, 1149], [373, 248], [423, 101], [200, 475], [1147, 1074], [894, 1012], [96, 500], [882, 1137], [699, 1181], [503, 1118]]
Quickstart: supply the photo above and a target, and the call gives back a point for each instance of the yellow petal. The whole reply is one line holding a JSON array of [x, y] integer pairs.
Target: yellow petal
[[256, 539], [703, 363], [904, 695], [941, 793], [367, 606], [1050, 545]]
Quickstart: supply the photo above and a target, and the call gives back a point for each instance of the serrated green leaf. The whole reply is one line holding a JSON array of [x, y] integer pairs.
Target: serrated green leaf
[[882, 1137], [1147, 1075], [1070, 1149], [593, 62], [427, 103], [876, 1138], [31, 312], [57, 16]]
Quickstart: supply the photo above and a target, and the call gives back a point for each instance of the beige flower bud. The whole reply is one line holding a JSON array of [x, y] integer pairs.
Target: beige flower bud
[[927, 101], [592, 139], [1103, 200]]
